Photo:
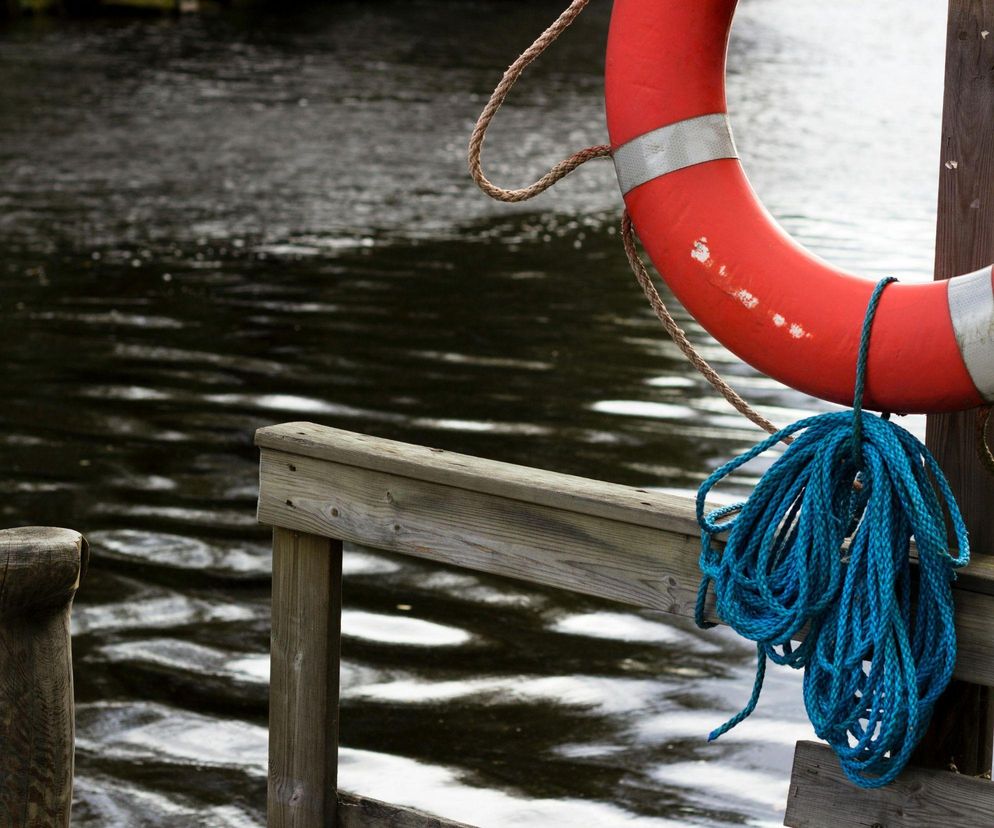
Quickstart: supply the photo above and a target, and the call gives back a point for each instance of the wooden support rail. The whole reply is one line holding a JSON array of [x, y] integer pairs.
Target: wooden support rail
[[304, 670], [321, 486], [40, 570], [601, 539]]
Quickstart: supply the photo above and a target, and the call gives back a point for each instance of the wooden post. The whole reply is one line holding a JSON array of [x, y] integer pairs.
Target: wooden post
[[303, 694], [40, 571], [963, 724]]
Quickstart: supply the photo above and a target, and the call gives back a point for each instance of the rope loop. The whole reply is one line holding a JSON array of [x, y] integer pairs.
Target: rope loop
[[564, 167], [809, 556]]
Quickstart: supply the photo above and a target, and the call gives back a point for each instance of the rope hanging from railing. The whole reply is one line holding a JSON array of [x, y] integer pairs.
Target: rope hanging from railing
[[875, 661]]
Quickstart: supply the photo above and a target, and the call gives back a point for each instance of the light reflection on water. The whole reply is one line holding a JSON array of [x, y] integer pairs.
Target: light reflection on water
[[211, 224]]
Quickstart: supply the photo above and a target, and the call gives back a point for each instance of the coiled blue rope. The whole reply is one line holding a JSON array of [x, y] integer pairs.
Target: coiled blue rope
[[877, 652]]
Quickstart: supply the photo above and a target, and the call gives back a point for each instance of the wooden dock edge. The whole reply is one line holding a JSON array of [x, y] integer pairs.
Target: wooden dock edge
[[600, 539], [820, 795]]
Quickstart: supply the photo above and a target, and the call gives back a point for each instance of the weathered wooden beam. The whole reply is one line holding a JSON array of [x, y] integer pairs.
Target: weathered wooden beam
[[821, 795], [962, 731], [595, 538], [477, 474], [362, 812], [615, 559], [40, 571], [304, 682]]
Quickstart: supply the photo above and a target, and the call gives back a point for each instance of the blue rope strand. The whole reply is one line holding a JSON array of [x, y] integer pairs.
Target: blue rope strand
[[874, 660]]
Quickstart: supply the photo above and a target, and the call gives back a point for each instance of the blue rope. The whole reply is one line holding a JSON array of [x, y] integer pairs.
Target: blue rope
[[874, 660]]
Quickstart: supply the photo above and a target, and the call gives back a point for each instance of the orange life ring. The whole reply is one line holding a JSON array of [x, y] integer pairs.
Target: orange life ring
[[769, 301]]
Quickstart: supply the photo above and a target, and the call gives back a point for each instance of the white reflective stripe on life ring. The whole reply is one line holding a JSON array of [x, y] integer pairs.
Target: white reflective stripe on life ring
[[671, 148], [971, 308]]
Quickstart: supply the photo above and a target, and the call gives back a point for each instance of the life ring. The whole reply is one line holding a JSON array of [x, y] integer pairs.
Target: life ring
[[768, 300]]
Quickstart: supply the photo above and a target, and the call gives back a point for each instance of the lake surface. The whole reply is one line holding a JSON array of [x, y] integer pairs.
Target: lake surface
[[214, 223]]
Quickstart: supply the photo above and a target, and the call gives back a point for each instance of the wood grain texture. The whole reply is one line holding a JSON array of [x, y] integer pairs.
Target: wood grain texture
[[962, 731], [563, 491], [820, 795], [362, 812], [40, 570], [556, 546], [304, 683]]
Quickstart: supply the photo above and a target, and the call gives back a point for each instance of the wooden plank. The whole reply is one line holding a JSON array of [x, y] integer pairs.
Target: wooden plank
[[563, 491], [362, 812], [304, 683], [611, 558], [625, 562], [962, 731], [40, 571], [975, 641], [821, 795]]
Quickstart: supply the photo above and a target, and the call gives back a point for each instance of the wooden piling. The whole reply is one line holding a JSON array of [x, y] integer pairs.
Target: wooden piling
[[962, 731], [40, 571], [305, 666]]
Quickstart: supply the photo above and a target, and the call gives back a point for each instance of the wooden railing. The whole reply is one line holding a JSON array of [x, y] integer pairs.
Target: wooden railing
[[40, 570], [322, 486]]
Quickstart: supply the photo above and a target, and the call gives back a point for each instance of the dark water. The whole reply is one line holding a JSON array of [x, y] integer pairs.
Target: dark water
[[214, 223]]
